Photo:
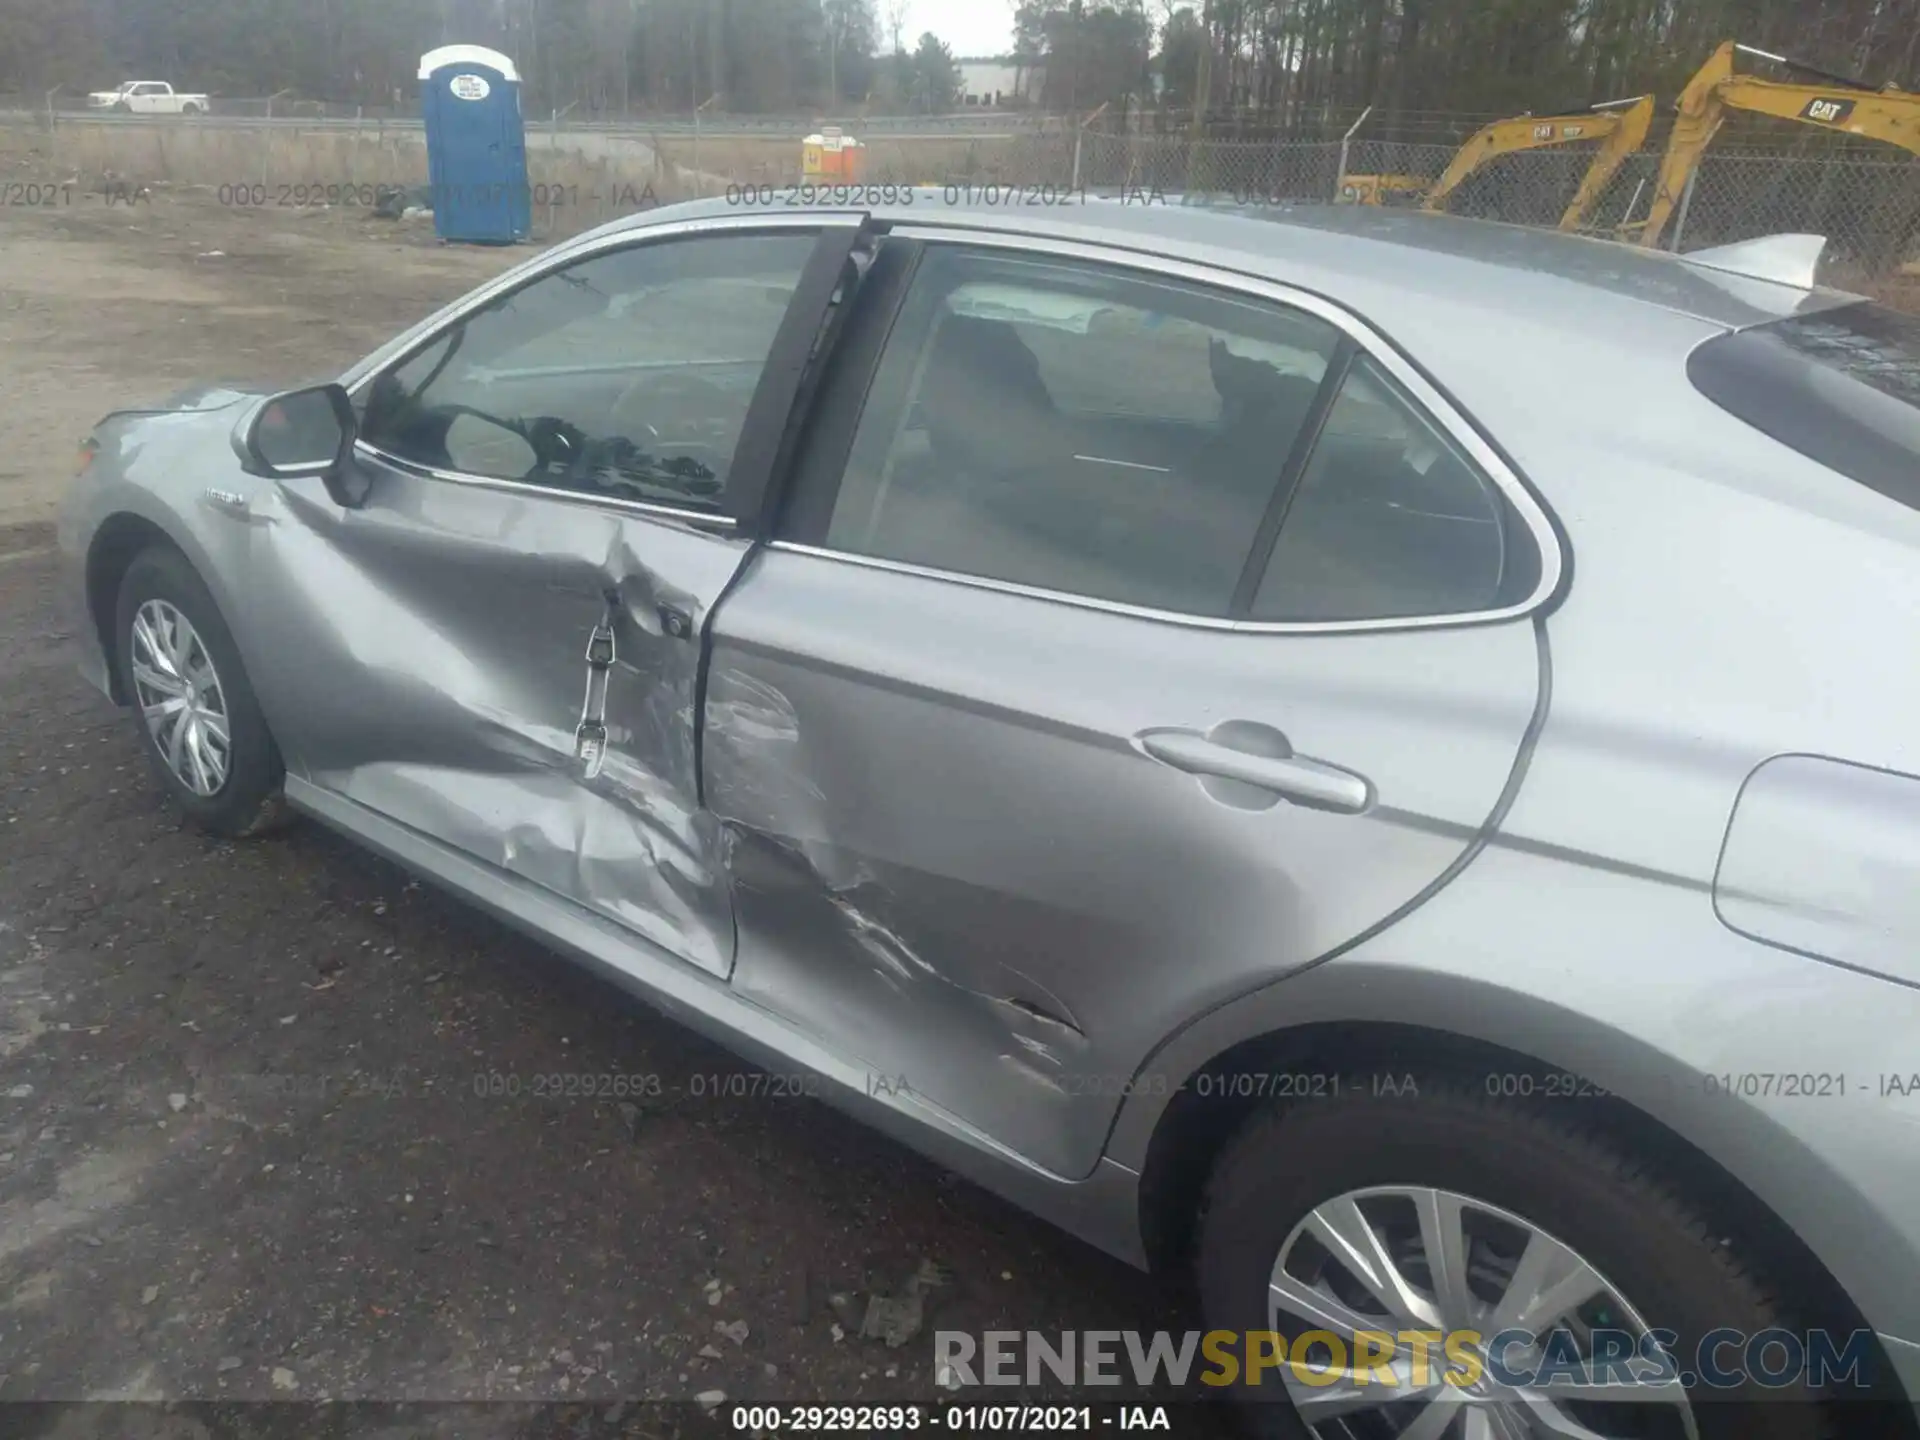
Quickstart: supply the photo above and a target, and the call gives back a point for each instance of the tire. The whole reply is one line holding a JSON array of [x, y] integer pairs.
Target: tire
[[247, 799], [122, 108], [189, 110], [1662, 1257]]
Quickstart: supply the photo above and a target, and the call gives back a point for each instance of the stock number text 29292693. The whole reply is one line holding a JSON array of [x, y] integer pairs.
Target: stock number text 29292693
[[957, 1417], [803, 193]]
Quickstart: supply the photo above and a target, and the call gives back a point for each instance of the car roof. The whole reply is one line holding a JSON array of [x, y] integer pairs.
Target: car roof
[[1340, 250]]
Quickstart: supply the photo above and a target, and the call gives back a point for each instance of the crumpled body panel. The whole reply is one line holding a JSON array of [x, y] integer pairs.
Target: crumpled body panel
[[429, 662], [952, 855]]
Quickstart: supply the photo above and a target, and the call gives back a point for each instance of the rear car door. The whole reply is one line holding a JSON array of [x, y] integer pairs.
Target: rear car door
[[501, 649], [1135, 635]]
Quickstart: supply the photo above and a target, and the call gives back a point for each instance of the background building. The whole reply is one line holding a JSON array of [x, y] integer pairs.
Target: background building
[[997, 83]]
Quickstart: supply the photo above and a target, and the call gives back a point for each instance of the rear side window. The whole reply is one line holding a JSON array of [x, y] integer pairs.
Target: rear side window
[[1118, 436], [1391, 519], [1842, 387], [1079, 429]]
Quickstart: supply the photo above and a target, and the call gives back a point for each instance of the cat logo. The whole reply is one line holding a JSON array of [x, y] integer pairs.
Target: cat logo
[[1827, 112], [1543, 132]]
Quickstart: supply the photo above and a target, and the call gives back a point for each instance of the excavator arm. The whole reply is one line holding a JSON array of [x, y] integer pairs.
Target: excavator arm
[[1630, 133], [1623, 124], [1889, 115]]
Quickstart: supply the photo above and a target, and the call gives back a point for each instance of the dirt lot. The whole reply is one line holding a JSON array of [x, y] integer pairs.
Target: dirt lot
[[106, 304], [241, 1150]]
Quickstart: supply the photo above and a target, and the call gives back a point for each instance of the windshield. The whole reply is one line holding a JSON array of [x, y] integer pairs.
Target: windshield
[[1841, 387]]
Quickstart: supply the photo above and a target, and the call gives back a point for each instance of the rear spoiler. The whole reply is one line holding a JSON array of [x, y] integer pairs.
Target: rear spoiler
[[1789, 259]]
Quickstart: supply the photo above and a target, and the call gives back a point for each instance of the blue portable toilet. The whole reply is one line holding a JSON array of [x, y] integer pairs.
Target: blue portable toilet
[[476, 145]]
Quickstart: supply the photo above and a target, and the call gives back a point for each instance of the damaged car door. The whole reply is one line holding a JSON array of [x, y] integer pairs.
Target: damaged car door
[[500, 647], [1135, 635]]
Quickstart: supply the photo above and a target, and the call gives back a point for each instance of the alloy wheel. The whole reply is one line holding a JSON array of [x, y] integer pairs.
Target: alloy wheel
[[1395, 1259], [179, 694]]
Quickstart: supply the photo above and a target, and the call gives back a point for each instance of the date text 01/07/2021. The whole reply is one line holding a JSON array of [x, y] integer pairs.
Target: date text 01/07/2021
[[955, 1418]]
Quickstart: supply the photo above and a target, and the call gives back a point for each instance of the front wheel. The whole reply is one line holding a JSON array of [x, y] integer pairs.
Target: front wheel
[[122, 108], [201, 728], [1546, 1260]]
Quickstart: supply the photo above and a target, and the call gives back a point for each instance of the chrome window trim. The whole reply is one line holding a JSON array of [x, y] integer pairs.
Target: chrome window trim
[[646, 509], [409, 341], [638, 369], [1371, 342], [1142, 612]]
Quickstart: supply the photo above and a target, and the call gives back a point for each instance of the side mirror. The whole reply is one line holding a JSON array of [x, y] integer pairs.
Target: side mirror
[[307, 432]]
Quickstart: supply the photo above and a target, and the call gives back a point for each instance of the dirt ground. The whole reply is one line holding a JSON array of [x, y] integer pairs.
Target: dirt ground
[[243, 1154], [107, 304]]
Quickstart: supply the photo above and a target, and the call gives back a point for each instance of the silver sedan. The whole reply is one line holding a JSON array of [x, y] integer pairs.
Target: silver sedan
[[1368, 755]]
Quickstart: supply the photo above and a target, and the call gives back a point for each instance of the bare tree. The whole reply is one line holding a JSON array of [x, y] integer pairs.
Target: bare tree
[[1280, 66]]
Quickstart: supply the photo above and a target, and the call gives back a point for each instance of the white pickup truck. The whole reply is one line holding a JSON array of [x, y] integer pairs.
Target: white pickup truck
[[147, 97]]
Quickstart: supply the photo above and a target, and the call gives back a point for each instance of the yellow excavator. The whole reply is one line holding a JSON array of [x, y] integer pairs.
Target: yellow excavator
[[1622, 124], [1836, 103]]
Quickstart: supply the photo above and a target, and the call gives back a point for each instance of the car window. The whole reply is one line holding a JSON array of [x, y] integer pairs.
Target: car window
[[1391, 520], [626, 375], [1841, 386], [1078, 428]]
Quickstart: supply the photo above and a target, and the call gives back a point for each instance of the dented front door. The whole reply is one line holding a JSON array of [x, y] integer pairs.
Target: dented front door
[[501, 649], [437, 643]]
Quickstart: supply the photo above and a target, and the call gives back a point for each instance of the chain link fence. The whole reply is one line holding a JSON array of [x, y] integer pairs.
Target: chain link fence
[[1864, 198]]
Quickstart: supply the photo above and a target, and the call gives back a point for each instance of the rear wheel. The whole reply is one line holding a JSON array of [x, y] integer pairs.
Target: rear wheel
[[199, 723], [1374, 1216], [189, 109]]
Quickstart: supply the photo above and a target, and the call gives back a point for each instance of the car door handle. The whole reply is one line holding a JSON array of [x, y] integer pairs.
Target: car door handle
[[1295, 777]]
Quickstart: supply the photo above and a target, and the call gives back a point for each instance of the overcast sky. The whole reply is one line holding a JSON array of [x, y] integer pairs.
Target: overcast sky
[[970, 27]]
